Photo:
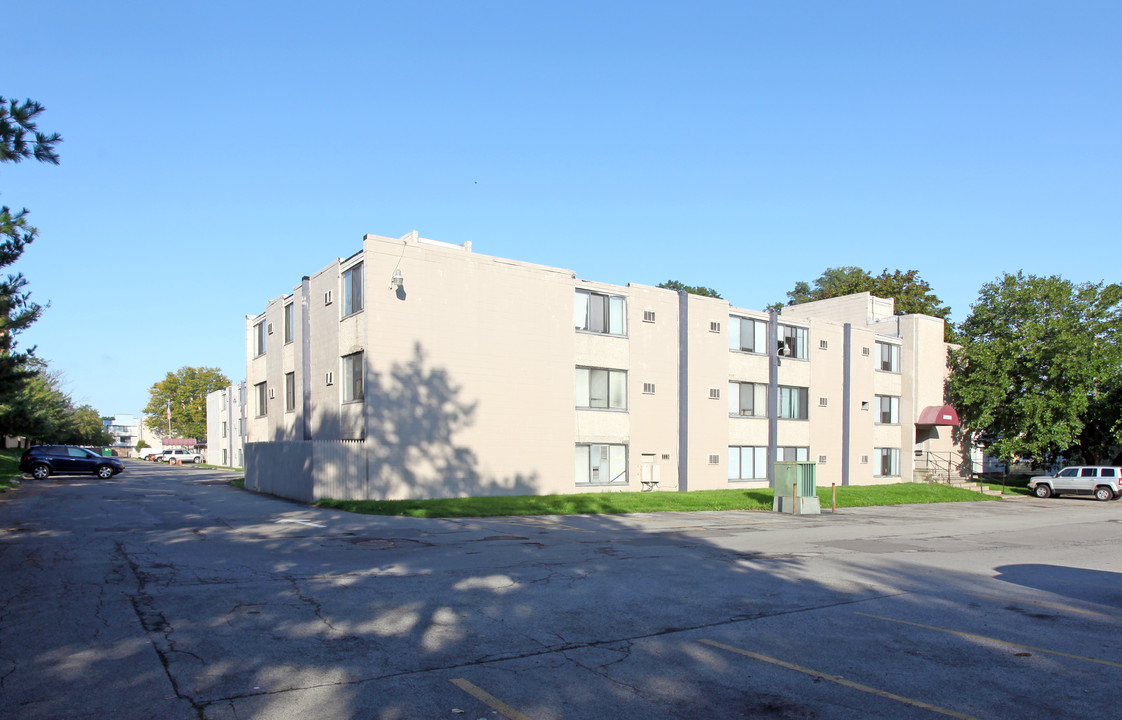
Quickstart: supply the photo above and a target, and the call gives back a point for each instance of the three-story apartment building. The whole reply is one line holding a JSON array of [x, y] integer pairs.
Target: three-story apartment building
[[417, 368]]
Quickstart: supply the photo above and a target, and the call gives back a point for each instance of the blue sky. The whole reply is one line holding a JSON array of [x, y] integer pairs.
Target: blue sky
[[215, 152]]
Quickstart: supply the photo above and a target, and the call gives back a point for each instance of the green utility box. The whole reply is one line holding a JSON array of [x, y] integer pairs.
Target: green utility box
[[796, 488]]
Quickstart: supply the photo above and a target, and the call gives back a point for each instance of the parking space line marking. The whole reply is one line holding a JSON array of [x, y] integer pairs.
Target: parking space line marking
[[842, 681], [1044, 605], [489, 700], [972, 636]]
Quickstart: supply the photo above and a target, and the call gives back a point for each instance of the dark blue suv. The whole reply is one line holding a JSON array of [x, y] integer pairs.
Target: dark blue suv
[[42, 461]]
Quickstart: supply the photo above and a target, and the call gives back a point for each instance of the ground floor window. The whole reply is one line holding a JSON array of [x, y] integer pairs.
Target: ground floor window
[[793, 454], [601, 464], [747, 463], [888, 462]]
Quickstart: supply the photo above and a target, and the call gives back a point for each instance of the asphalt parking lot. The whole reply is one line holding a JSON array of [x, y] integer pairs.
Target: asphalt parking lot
[[166, 593]]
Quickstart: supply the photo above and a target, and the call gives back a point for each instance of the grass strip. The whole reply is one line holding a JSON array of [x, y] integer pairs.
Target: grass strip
[[609, 503], [9, 467]]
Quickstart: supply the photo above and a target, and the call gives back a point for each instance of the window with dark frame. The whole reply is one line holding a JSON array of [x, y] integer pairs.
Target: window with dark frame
[[259, 339], [601, 388], [289, 392], [352, 290], [352, 377], [600, 313], [260, 390], [289, 331]]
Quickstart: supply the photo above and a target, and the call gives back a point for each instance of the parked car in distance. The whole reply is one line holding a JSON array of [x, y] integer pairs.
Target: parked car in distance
[[42, 461], [147, 453], [1104, 482], [180, 456]]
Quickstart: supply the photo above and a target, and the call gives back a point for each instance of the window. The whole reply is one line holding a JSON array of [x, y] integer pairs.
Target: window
[[747, 463], [792, 342], [289, 332], [793, 403], [259, 339], [1088, 472], [747, 335], [599, 313], [262, 399], [888, 462], [747, 399], [352, 377], [601, 388], [223, 428], [601, 464], [352, 290], [289, 392], [793, 454], [223, 456], [1107, 472], [888, 410], [888, 357]]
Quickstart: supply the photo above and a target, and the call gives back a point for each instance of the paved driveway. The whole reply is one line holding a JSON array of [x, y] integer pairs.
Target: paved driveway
[[165, 593]]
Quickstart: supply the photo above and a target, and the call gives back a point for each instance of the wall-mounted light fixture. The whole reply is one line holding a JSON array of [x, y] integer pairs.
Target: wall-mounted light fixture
[[396, 280]]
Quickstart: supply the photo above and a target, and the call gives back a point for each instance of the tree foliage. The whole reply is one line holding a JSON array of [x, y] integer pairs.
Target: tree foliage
[[913, 295], [41, 411], [692, 289], [20, 139], [1039, 373], [184, 393]]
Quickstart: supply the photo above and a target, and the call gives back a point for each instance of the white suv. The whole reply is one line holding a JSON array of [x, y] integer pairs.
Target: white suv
[[179, 456], [1104, 482]]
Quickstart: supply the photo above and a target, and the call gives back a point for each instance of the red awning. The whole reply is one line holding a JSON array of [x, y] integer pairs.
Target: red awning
[[180, 442], [938, 415]]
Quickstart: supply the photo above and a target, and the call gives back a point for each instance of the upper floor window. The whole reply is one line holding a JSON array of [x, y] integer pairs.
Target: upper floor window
[[888, 410], [888, 357], [352, 377], [792, 341], [600, 313], [747, 335], [289, 392], [352, 290], [601, 388], [288, 329], [747, 399], [793, 402], [259, 339]]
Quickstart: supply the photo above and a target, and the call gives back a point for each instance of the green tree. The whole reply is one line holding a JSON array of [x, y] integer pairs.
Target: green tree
[[692, 289], [1040, 368], [20, 139], [183, 392], [913, 295]]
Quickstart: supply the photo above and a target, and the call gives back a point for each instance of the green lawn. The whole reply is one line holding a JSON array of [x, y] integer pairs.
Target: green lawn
[[633, 502], [9, 467]]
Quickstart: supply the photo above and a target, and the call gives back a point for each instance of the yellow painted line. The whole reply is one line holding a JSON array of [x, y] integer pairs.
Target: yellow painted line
[[1064, 608], [489, 700], [972, 636], [842, 681]]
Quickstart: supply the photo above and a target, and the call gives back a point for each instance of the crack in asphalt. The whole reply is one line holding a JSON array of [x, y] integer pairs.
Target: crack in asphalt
[[561, 650]]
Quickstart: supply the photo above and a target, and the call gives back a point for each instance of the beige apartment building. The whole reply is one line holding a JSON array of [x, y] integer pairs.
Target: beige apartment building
[[417, 368]]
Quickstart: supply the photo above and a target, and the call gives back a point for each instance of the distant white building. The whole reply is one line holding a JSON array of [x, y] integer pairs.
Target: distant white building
[[226, 426], [125, 430]]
